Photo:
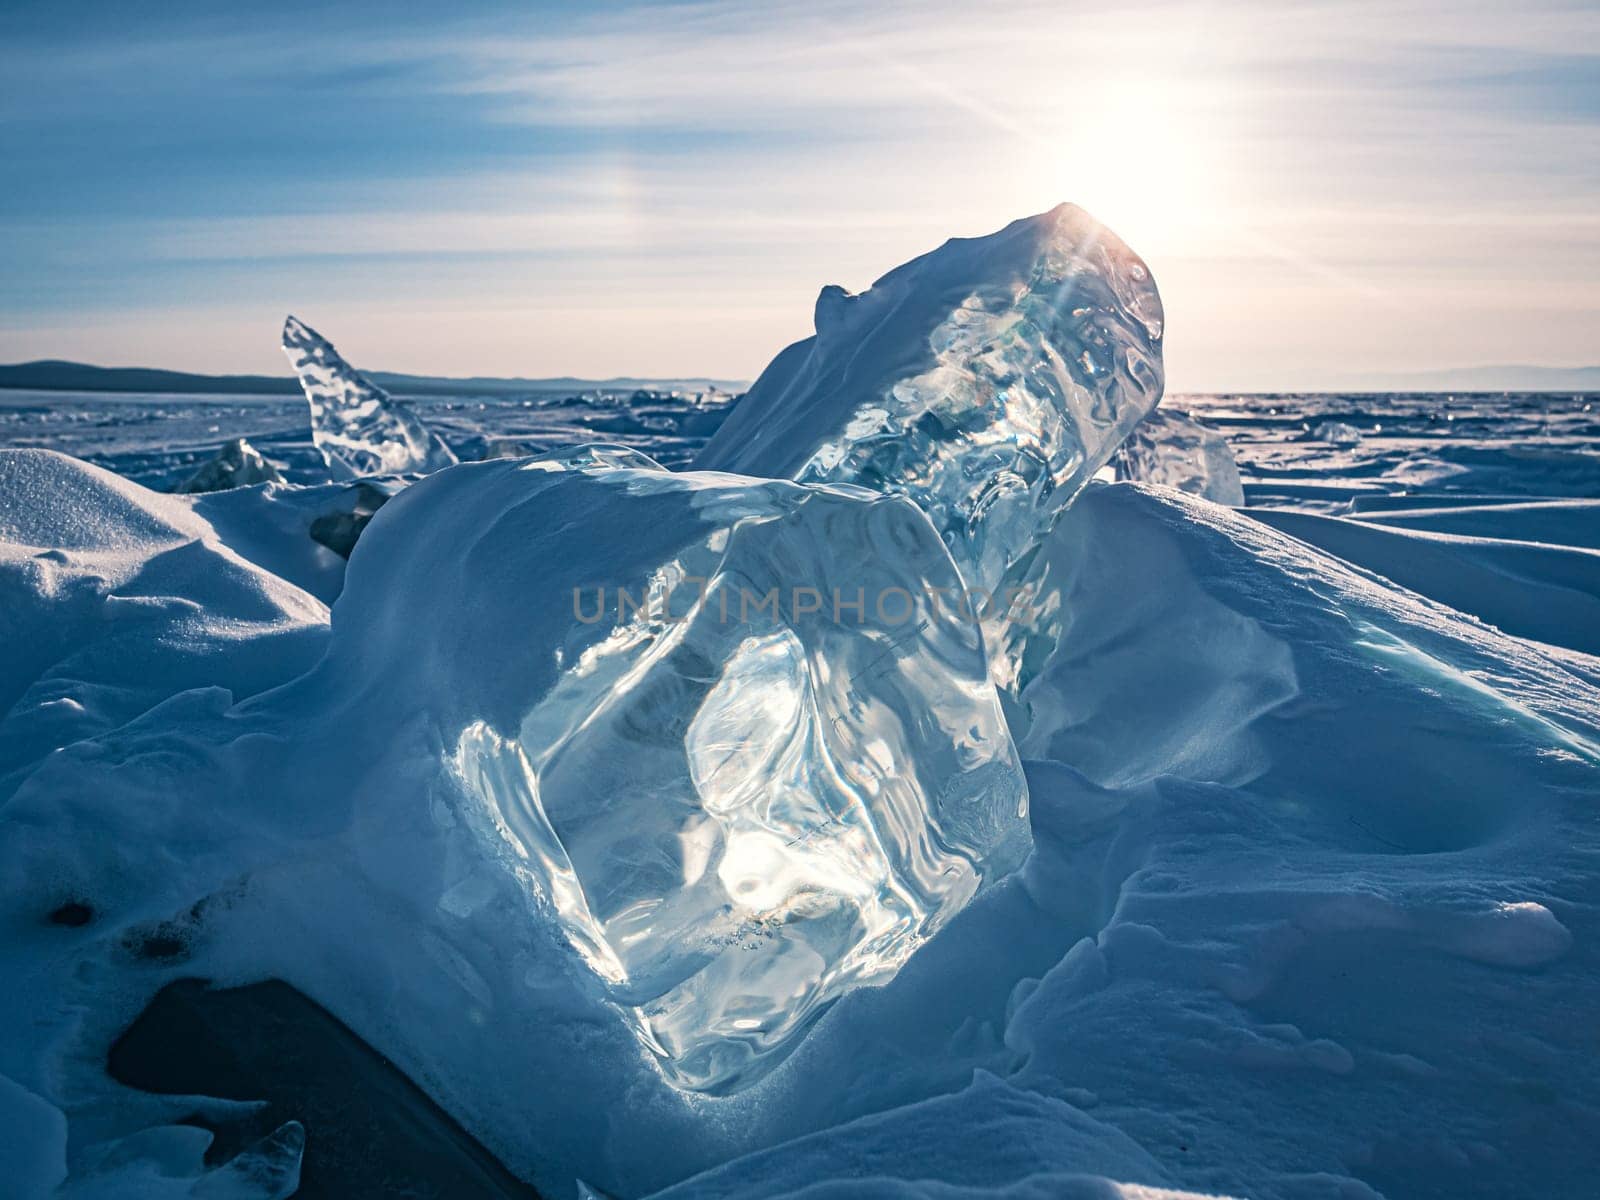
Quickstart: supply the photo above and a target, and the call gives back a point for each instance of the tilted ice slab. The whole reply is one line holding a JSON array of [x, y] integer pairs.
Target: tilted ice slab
[[356, 426], [1174, 450], [716, 724], [237, 464], [987, 380]]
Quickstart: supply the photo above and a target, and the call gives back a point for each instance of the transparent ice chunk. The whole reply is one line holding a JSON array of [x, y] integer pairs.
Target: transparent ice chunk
[[1337, 433], [237, 464], [987, 380], [727, 731], [358, 428], [1174, 450]]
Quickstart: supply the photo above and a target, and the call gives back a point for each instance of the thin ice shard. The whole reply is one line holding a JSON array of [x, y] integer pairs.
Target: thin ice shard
[[987, 381], [358, 428]]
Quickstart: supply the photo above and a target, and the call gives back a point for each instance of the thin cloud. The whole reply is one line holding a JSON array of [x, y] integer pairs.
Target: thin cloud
[[1347, 157]]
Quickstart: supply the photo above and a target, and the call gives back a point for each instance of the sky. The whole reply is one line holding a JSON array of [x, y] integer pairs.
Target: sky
[[1322, 188]]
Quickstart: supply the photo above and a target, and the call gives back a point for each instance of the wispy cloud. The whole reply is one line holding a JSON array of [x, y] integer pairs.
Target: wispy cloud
[[1408, 182]]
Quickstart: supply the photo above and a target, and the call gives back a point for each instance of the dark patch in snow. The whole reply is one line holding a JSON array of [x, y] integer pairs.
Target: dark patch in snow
[[339, 531], [163, 944], [73, 914], [370, 1131]]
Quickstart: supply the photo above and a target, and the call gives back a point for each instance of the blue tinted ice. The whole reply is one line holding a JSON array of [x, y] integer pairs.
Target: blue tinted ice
[[355, 424], [987, 380]]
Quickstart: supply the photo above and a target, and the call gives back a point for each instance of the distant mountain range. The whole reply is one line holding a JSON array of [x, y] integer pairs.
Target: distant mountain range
[[56, 376]]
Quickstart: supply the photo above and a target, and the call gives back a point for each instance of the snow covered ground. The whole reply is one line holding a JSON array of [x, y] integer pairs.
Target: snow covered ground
[[1312, 907]]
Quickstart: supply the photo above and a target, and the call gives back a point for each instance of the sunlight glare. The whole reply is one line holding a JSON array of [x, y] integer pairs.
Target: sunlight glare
[[1145, 160]]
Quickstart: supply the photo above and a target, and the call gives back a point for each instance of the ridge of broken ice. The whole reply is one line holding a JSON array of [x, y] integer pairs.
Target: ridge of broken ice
[[987, 380], [357, 426]]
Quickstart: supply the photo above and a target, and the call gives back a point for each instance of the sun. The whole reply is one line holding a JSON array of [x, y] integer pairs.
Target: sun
[[1141, 155]]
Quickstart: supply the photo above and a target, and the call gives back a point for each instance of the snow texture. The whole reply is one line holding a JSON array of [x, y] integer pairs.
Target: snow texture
[[1284, 816]]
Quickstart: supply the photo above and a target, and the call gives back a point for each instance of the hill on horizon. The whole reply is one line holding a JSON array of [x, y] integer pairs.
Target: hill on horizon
[[62, 376], [56, 375], [1508, 377]]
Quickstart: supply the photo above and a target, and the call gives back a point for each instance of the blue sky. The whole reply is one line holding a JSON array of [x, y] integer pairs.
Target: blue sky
[[1322, 188]]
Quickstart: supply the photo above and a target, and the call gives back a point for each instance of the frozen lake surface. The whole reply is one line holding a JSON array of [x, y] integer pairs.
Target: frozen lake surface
[[1501, 445], [159, 441]]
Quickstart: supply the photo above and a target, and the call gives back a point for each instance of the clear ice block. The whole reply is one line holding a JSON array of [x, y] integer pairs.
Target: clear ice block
[[987, 381], [729, 731], [237, 464]]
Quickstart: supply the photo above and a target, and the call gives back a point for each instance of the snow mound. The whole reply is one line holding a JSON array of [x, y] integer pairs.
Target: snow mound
[[1547, 592], [356, 426], [1174, 450], [987, 380], [1123, 700], [116, 597], [988, 1140]]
